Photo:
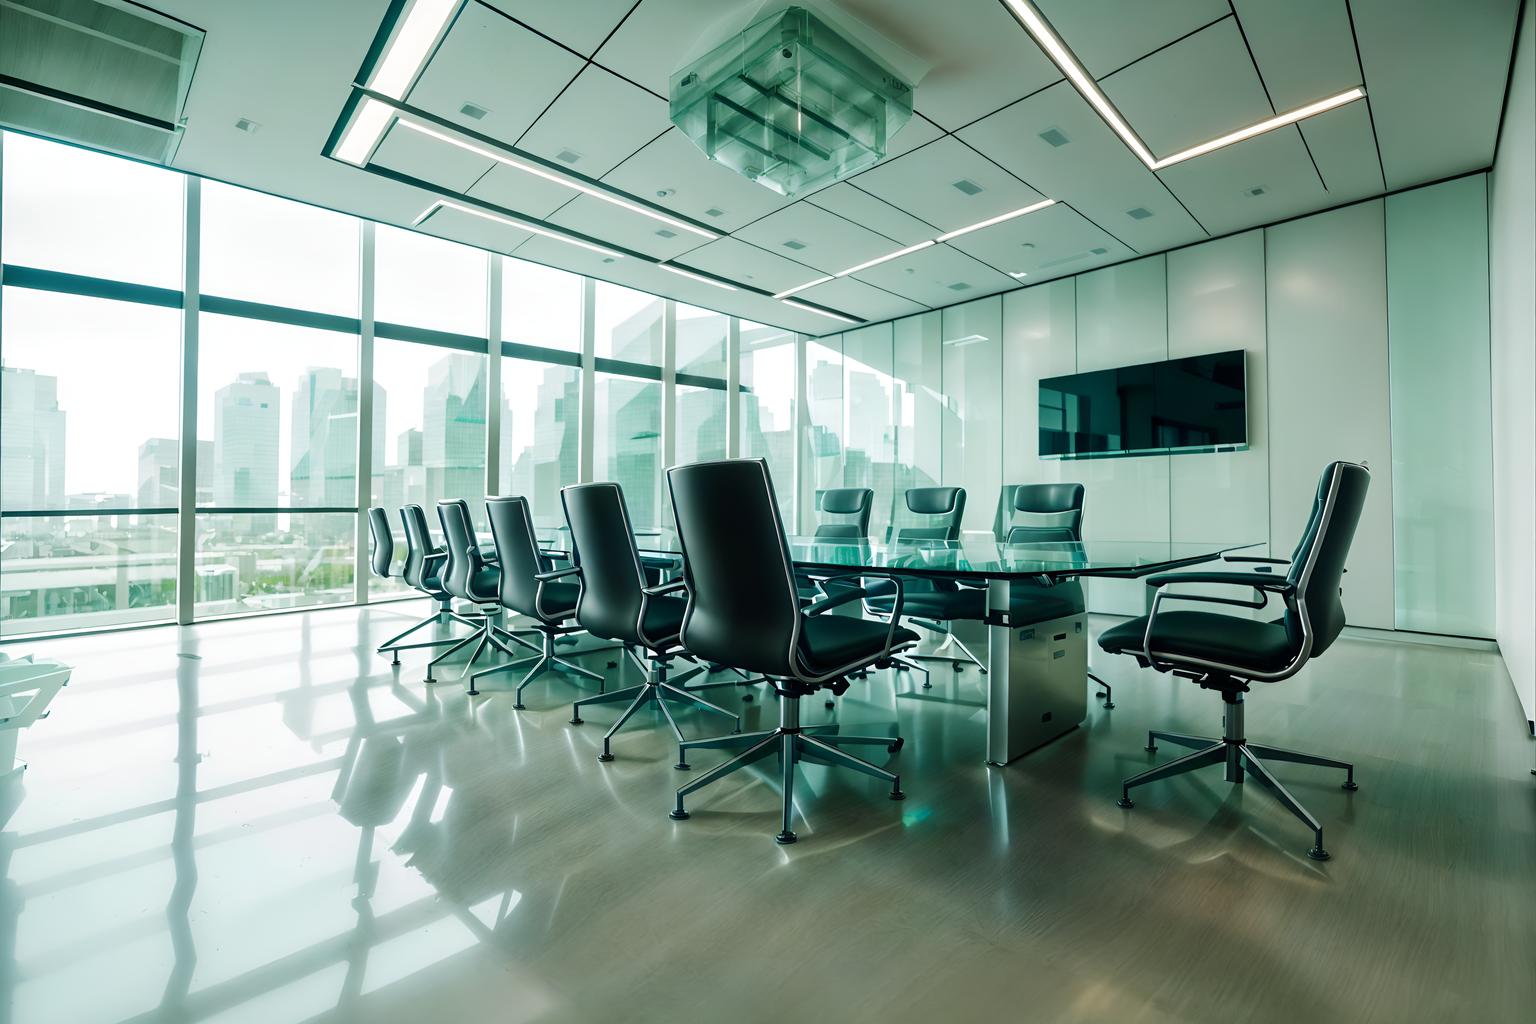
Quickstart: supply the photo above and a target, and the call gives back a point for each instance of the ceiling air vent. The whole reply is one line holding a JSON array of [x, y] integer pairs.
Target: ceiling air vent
[[792, 244], [104, 73], [1055, 137], [1139, 213], [473, 110], [967, 186]]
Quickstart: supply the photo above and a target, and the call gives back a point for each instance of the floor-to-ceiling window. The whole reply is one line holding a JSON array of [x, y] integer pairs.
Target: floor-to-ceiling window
[[768, 407], [540, 385], [626, 442]]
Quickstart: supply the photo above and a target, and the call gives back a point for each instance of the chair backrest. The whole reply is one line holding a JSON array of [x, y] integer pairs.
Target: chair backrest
[[842, 513], [1318, 568], [517, 549], [603, 548], [938, 511], [381, 543], [418, 542], [463, 548], [1039, 513], [742, 606]]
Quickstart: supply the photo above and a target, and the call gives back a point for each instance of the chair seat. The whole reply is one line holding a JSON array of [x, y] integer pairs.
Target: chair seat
[[829, 641], [664, 619], [937, 604], [1208, 636], [484, 586], [558, 601]]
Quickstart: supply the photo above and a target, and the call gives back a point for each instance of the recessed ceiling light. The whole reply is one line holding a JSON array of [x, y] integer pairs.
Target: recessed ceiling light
[[1031, 208], [969, 339], [820, 312], [419, 29], [363, 134], [802, 287], [665, 193], [884, 259], [713, 211], [1017, 273], [554, 176], [696, 277], [1040, 30], [518, 223], [1098, 250]]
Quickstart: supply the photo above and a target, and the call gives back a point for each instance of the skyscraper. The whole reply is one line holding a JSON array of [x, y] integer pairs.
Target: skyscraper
[[245, 443], [159, 472], [323, 466], [549, 462], [31, 440], [453, 427]]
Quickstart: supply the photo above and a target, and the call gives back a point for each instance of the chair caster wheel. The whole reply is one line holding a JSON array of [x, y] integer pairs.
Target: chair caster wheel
[[1109, 705], [1125, 802], [959, 668], [678, 814], [472, 693], [577, 721], [1318, 853], [683, 766], [519, 706], [429, 680], [396, 660], [1351, 786], [785, 838], [927, 686], [897, 794], [605, 757], [747, 697], [831, 703], [1150, 748], [901, 741]]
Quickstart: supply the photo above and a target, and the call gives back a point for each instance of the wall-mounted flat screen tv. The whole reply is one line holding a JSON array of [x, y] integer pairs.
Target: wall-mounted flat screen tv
[[1194, 404]]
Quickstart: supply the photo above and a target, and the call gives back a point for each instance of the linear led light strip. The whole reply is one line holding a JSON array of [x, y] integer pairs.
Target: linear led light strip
[[819, 312], [559, 179], [521, 225], [407, 51], [696, 277], [1000, 218], [1063, 58]]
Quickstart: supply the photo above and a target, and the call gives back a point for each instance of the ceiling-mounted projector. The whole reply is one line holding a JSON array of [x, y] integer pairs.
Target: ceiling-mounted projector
[[791, 103]]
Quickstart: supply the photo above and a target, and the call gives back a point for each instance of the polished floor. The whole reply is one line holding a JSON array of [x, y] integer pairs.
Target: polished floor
[[263, 821]]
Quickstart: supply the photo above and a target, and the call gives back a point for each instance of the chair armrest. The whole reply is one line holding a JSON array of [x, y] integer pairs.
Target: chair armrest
[[1255, 580], [545, 577], [665, 588], [1264, 563], [855, 593]]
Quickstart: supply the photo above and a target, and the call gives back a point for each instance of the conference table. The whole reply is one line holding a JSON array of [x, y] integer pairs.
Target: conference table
[[1036, 624]]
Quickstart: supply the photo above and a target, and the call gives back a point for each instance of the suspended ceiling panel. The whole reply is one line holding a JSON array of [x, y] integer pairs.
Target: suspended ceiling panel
[[580, 24], [491, 61], [1345, 154], [431, 160], [597, 123], [948, 185], [521, 192], [671, 172], [1087, 165], [860, 299], [741, 261], [810, 235], [854, 204], [1217, 188], [592, 216], [1303, 48], [1038, 243], [1106, 35], [459, 226], [937, 276]]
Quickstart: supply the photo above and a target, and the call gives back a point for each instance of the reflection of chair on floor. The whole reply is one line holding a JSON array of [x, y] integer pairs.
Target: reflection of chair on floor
[[744, 610], [616, 604], [1227, 653], [420, 571], [530, 585]]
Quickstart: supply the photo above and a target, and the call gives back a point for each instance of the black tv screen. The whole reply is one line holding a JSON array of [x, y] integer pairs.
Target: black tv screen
[[1194, 403]]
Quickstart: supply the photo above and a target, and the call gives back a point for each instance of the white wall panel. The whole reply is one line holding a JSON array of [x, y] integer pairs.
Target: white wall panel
[[1512, 251], [1039, 340], [973, 389], [919, 363], [1328, 386], [1442, 451], [1122, 318]]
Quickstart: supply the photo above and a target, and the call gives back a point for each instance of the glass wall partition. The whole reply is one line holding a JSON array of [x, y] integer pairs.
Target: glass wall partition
[[768, 407]]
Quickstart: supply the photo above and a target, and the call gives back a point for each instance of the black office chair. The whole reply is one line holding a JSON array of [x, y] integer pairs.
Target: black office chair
[[467, 575], [743, 611], [615, 603], [529, 586], [1044, 514], [1227, 653], [381, 562], [842, 513], [934, 514]]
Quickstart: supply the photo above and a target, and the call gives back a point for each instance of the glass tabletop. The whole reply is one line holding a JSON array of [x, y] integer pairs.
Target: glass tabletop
[[976, 556]]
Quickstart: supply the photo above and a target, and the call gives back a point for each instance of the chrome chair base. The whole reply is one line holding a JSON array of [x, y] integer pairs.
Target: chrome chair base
[[444, 615], [547, 661], [794, 744], [1108, 696], [655, 690], [487, 634], [1238, 755], [950, 641]]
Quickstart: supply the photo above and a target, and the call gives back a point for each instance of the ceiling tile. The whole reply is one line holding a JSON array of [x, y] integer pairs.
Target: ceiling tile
[[830, 243], [1040, 244], [518, 190], [873, 213], [673, 173], [1109, 34], [1345, 152], [491, 61], [473, 230], [430, 160], [936, 183], [745, 263], [1435, 74], [857, 299], [979, 58], [1196, 90], [635, 231], [596, 123], [1215, 186], [580, 24], [662, 36], [1092, 169], [937, 276], [1304, 48]]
